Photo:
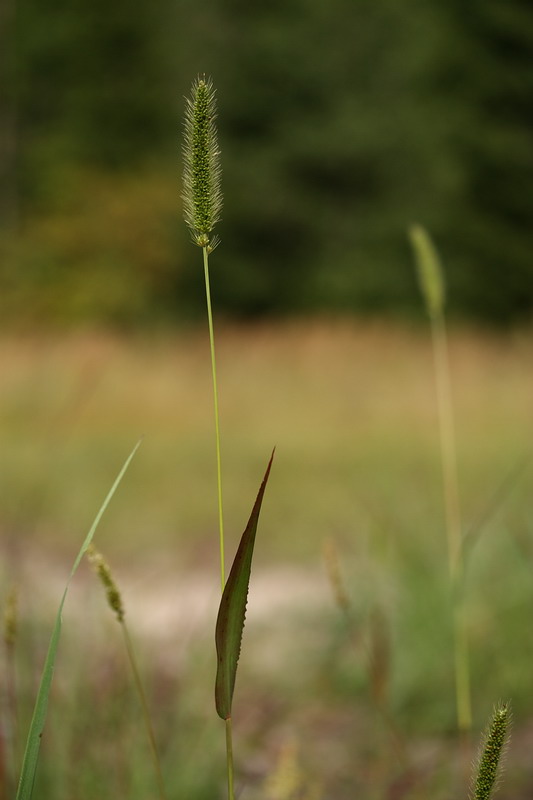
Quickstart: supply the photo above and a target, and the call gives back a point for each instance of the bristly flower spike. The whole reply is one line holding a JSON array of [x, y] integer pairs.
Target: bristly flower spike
[[202, 195], [491, 754]]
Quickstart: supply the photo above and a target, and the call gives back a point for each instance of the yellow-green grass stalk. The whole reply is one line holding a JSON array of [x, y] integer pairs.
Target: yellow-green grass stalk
[[202, 206], [492, 752], [202, 203], [114, 599], [432, 285]]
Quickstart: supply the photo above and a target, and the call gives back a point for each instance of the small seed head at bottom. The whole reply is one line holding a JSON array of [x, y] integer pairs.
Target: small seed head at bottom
[[491, 754]]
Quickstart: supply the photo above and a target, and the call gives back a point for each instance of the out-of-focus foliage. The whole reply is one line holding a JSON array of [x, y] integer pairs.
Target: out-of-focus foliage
[[340, 124]]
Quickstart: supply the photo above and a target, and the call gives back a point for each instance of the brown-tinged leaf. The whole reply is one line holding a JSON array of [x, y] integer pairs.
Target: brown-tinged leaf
[[232, 610]]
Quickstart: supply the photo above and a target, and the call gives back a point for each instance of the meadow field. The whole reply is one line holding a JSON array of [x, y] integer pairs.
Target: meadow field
[[346, 684]]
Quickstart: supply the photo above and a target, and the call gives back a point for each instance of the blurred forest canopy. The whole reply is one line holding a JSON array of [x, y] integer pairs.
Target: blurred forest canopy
[[340, 123]]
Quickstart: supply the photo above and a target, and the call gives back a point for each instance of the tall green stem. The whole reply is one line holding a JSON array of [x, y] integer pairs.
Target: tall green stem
[[202, 204], [229, 743], [453, 518], [447, 442], [217, 423], [145, 709], [229, 758]]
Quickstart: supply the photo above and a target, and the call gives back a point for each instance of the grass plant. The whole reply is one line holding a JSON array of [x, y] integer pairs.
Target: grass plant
[[114, 599], [202, 205], [433, 289], [33, 742]]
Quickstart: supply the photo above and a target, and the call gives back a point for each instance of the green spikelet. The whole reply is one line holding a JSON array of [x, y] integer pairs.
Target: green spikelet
[[103, 571], [202, 196], [492, 751], [429, 267]]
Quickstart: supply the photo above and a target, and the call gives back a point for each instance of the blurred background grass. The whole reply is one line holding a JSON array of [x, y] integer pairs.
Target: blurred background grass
[[352, 410], [340, 124]]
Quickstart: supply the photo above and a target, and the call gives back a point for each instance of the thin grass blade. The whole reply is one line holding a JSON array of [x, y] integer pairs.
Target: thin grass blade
[[31, 754], [232, 611]]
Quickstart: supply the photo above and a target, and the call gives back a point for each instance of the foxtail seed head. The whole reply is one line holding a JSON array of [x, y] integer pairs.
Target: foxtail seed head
[[103, 571], [202, 196], [429, 270], [492, 751]]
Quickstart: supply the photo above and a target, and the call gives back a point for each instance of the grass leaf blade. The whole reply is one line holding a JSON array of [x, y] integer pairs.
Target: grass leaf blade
[[231, 614], [33, 743], [31, 754]]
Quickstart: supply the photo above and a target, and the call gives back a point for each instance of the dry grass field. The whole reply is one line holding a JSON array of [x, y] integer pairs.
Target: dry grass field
[[350, 407]]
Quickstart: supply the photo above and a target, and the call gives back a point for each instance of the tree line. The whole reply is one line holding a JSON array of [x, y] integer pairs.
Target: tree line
[[340, 124]]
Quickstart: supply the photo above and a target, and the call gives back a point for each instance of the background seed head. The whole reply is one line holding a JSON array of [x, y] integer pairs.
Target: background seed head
[[103, 571], [429, 270]]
